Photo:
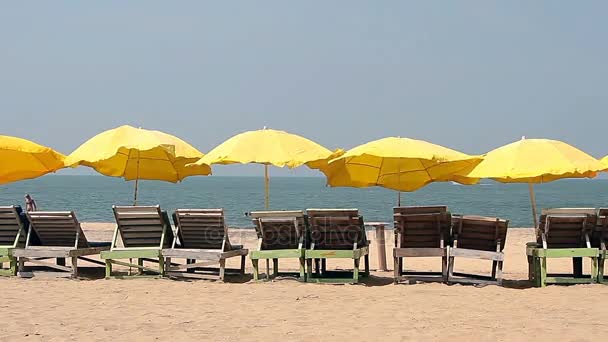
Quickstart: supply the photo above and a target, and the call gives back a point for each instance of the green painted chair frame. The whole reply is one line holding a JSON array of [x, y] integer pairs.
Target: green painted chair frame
[[478, 237], [281, 235], [421, 231], [563, 233], [144, 232], [600, 240], [12, 236], [56, 235], [203, 242], [336, 234]]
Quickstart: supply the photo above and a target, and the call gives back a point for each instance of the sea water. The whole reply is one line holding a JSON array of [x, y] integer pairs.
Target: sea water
[[92, 197]]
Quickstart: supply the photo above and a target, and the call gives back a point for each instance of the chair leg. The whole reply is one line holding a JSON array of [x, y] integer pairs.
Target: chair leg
[[317, 267], [167, 264], [13, 266], [302, 269], [356, 271], [543, 272], [494, 265], [594, 270], [256, 271], [396, 269], [190, 261], [74, 267], [243, 265], [366, 261], [140, 262], [267, 269], [499, 274], [222, 269], [600, 270], [275, 267], [323, 266], [530, 269], [444, 268], [161, 266], [308, 268], [450, 267], [400, 266], [577, 267], [108, 269], [21, 264]]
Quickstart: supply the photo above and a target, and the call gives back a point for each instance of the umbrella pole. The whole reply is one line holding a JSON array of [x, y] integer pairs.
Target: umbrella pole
[[398, 198], [533, 204], [135, 192], [266, 187], [136, 181]]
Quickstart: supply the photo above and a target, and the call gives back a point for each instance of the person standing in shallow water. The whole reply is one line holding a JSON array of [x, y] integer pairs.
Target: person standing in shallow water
[[30, 204]]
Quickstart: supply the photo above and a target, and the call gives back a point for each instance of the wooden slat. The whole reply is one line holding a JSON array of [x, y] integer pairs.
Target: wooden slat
[[413, 210], [569, 211]]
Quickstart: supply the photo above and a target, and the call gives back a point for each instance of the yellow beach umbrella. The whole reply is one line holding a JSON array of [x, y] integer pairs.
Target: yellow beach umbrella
[[135, 153], [397, 163], [23, 159], [535, 161], [268, 147]]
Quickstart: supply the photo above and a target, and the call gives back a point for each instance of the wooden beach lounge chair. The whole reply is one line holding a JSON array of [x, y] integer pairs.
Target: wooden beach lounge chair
[[144, 232], [281, 235], [600, 240], [478, 237], [56, 235], [203, 241], [421, 232], [336, 233], [563, 233], [13, 229]]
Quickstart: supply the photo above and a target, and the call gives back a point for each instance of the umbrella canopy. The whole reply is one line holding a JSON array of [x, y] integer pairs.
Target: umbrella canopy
[[23, 159], [604, 162], [397, 163], [536, 161], [135, 153], [269, 147]]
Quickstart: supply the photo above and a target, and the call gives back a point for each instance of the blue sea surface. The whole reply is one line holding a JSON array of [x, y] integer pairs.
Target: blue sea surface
[[92, 197]]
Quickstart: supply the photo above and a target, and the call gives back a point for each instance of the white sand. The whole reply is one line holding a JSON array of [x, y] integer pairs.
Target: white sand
[[145, 309]]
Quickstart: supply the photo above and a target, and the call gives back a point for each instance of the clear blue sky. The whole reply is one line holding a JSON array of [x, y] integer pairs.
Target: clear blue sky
[[471, 75]]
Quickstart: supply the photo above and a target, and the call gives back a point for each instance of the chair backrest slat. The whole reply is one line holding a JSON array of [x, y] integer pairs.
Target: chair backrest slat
[[142, 226], [336, 228], [280, 229], [479, 232], [422, 227], [200, 228], [56, 229], [11, 225]]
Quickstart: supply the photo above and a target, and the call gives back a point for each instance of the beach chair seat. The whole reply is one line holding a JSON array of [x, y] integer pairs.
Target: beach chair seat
[[563, 233], [421, 231], [13, 230], [336, 233], [202, 239], [599, 240], [144, 231], [281, 235], [478, 237], [56, 235]]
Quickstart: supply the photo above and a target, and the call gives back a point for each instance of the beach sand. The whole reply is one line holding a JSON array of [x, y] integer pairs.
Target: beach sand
[[45, 309]]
